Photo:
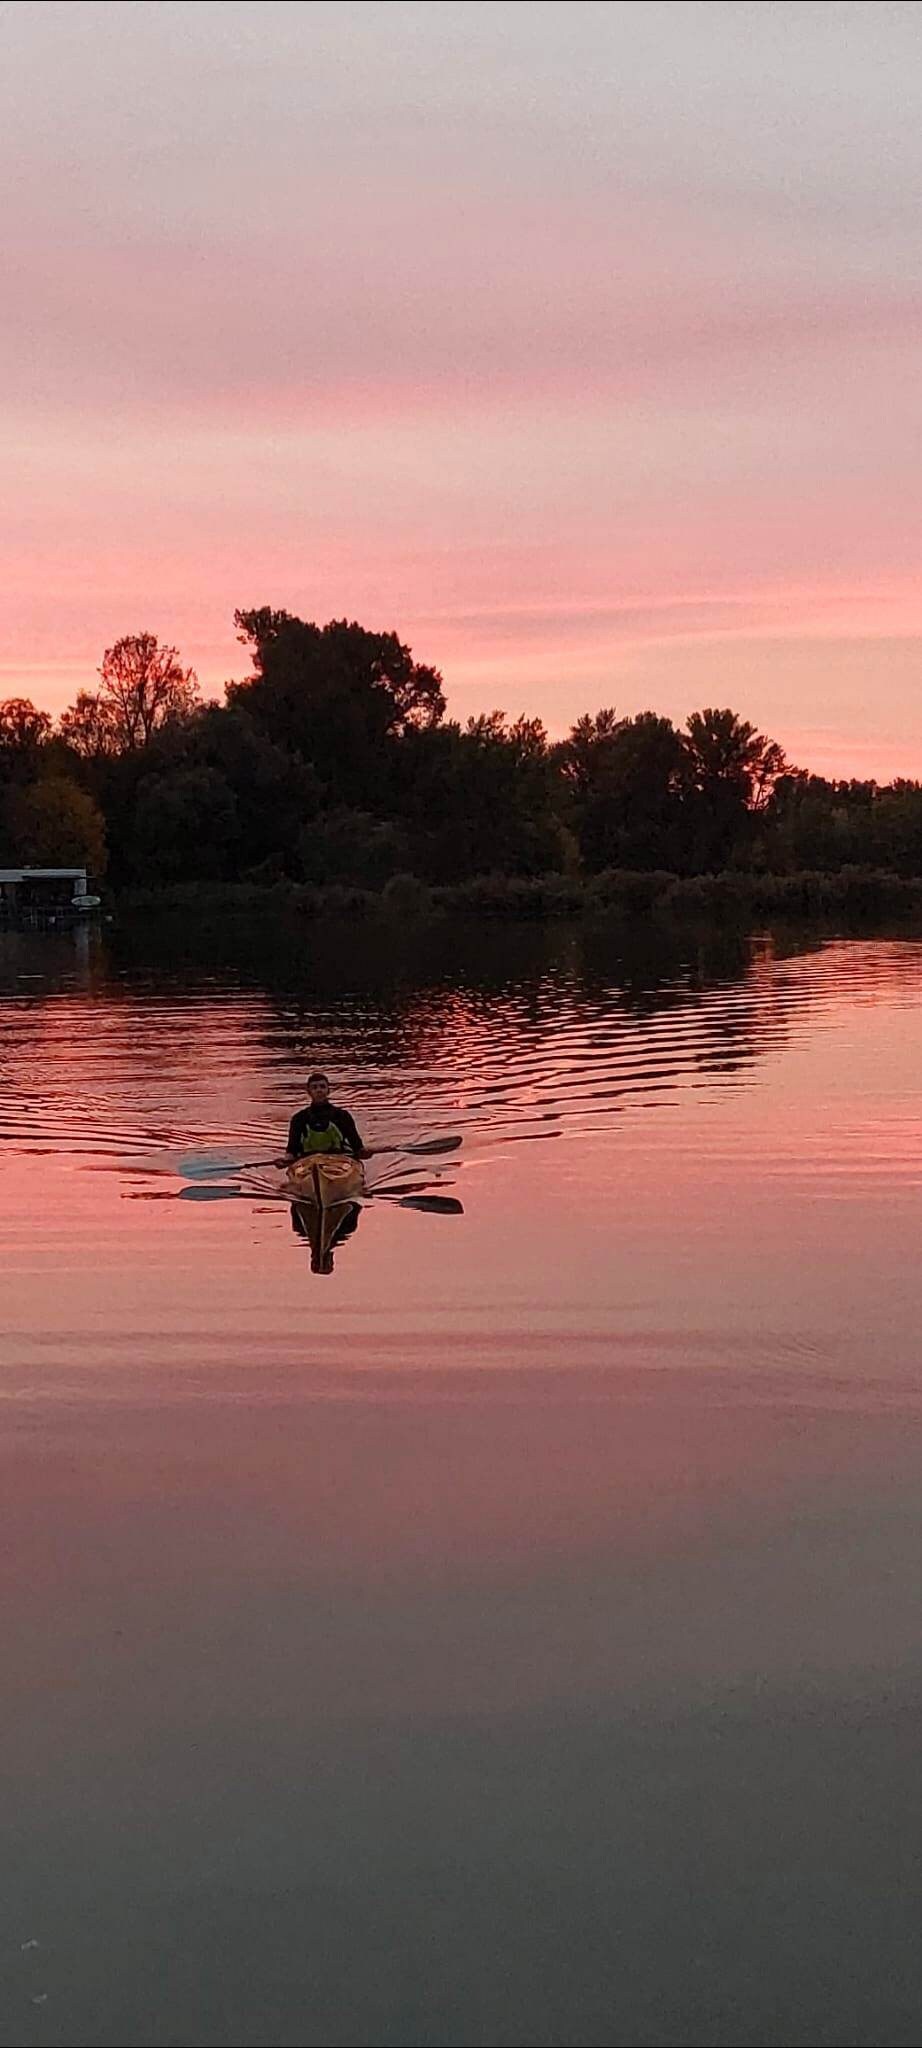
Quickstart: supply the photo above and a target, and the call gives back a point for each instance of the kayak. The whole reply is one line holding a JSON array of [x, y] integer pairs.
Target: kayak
[[326, 1179]]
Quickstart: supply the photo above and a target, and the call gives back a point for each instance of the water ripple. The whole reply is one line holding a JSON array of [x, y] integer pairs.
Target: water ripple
[[129, 1069]]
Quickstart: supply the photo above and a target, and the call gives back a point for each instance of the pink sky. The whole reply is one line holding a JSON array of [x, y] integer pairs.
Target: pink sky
[[577, 342]]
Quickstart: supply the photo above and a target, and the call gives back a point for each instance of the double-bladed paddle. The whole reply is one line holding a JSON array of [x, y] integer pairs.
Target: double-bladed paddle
[[195, 1167]]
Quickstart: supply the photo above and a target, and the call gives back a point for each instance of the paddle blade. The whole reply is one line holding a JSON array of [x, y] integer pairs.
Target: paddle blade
[[212, 1194], [204, 1165], [426, 1147], [416, 1186], [429, 1146], [211, 1165], [433, 1205]]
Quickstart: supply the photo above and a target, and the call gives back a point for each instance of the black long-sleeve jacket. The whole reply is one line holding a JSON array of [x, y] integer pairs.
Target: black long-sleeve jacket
[[316, 1118]]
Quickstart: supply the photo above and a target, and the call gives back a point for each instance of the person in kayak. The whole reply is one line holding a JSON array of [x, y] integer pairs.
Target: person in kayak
[[322, 1127]]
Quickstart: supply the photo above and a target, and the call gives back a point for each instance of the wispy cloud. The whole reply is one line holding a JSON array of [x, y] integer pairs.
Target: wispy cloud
[[578, 342]]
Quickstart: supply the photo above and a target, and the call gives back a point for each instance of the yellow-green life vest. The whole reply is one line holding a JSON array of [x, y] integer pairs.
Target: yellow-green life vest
[[330, 1140]]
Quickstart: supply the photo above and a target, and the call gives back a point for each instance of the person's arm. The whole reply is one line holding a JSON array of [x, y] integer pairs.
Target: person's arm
[[295, 1130], [347, 1126]]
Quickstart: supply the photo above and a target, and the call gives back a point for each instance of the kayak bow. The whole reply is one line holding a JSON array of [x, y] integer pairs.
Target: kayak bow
[[326, 1178]]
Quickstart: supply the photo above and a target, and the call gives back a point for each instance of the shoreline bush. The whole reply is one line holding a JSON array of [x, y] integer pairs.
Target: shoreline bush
[[628, 893]]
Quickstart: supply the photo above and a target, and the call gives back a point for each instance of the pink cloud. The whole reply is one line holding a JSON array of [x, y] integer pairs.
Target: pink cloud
[[595, 375]]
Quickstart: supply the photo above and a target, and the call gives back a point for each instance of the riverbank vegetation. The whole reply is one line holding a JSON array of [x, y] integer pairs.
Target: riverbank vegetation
[[331, 775]]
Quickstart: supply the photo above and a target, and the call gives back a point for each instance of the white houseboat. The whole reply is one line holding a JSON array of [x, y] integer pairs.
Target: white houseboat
[[44, 896]]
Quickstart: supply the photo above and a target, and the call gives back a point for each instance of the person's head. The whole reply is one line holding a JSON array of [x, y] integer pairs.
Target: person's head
[[318, 1088]]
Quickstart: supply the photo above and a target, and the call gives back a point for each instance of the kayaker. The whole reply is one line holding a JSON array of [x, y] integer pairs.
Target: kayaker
[[322, 1126]]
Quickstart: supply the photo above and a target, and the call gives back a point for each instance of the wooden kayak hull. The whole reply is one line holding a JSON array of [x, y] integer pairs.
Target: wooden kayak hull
[[327, 1179]]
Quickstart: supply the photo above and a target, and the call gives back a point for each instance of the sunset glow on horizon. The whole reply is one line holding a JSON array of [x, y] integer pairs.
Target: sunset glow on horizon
[[577, 342]]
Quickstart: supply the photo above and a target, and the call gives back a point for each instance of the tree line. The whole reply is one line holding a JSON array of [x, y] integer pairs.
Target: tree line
[[334, 761]]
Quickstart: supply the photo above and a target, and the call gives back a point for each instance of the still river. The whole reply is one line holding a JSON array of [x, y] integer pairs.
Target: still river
[[513, 1634]]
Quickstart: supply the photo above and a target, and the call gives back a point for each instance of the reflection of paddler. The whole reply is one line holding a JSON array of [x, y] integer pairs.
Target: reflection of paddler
[[325, 1229], [324, 1151]]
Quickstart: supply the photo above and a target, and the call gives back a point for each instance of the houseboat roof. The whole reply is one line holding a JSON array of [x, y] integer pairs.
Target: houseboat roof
[[42, 874]]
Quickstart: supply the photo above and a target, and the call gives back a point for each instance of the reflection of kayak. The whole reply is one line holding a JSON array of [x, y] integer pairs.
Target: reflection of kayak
[[324, 1229], [327, 1179]]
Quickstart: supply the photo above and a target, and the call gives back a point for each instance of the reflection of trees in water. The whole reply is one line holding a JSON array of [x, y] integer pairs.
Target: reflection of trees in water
[[439, 997], [497, 1024], [476, 1026], [51, 963]]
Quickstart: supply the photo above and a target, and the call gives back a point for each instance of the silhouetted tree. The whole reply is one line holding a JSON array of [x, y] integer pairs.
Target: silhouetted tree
[[275, 791], [24, 736], [53, 823], [333, 761], [336, 695], [343, 656], [184, 827], [898, 827], [481, 800], [627, 782], [92, 727], [822, 824], [734, 770], [584, 757], [143, 688], [352, 847]]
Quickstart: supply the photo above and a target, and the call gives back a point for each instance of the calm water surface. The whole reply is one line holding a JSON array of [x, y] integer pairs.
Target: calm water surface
[[513, 1635]]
